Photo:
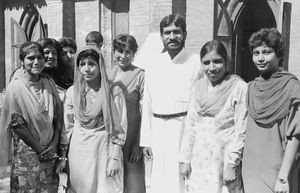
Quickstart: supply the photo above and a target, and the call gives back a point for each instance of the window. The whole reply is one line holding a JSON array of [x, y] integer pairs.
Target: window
[[223, 9]]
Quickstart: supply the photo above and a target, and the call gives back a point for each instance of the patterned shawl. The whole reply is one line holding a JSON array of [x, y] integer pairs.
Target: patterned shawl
[[103, 105], [269, 100], [210, 104], [38, 114]]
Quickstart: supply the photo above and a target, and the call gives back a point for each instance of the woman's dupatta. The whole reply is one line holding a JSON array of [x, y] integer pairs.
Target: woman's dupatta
[[211, 103], [271, 100], [103, 103], [37, 114]]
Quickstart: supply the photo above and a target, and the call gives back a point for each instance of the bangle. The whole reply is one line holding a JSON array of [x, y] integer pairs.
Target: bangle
[[63, 147], [63, 158], [282, 181]]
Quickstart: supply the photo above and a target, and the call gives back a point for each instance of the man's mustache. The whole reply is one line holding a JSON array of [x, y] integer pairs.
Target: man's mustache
[[173, 41]]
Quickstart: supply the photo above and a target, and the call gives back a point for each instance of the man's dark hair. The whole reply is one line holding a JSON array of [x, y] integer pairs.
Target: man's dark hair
[[168, 20]]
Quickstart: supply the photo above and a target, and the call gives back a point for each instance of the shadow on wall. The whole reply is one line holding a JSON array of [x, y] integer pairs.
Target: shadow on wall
[[17, 4]]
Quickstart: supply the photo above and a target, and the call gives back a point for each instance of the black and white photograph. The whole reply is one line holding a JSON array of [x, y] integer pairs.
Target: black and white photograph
[[149, 96]]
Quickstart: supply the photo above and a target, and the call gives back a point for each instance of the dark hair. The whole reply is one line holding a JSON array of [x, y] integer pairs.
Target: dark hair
[[123, 42], [218, 47], [271, 37], [52, 72], [86, 53], [168, 20], [67, 42], [24, 49], [44, 42], [94, 36]]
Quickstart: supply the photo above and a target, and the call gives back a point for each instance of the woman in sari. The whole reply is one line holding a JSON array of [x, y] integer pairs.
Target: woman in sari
[[273, 124], [30, 124], [131, 79], [213, 140], [95, 127]]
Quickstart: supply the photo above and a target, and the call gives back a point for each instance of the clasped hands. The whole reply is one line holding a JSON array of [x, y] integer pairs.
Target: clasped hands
[[49, 152]]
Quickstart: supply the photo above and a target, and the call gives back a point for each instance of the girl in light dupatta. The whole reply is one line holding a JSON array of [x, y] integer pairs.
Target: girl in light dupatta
[[213, 140], [32, 117], [95, 127], [273, 126], [131, 79]]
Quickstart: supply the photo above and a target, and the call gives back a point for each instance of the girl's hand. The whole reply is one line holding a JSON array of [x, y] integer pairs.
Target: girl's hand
[[229, 174], [49, 152], [112, 167], [61, 165], [136, 154], [282, 186], [185, 170], [148, 153]]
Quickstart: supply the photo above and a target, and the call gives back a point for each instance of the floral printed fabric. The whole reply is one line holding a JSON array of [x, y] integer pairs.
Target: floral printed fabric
[[29, 175], [210, 143]]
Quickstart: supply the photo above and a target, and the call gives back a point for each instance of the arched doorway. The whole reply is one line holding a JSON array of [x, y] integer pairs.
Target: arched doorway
[[254, 15]]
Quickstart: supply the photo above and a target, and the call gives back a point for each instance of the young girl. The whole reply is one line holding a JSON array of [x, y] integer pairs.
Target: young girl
[[273, 126], [95, 127], [131, 79]]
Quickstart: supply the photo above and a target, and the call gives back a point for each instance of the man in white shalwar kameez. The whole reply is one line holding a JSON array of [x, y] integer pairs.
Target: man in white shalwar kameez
[[168, 81]]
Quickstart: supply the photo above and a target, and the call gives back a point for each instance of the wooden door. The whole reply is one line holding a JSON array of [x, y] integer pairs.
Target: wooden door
[[256, 14]]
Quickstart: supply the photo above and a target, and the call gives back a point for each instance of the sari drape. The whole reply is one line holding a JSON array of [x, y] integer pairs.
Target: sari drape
[[97, 131], [104, 103], [37, 114], [210, 103]]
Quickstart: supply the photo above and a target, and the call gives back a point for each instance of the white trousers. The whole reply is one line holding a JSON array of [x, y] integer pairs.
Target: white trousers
[[166, 141]]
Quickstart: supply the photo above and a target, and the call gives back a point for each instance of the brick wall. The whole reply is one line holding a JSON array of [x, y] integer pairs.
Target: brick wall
[[144, 17], [52, 16], [158, 9], [294, 56], [106, 32], [87, 19], [139, 19], [2, 48], [199, 18]]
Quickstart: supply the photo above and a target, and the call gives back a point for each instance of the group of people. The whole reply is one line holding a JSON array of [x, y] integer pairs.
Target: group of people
[[203, 128]]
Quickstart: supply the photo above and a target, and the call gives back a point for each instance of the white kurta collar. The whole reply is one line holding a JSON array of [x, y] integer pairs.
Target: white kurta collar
[[179, 58]]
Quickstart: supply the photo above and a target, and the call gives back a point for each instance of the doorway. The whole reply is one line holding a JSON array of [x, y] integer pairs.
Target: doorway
[[254, 15]]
